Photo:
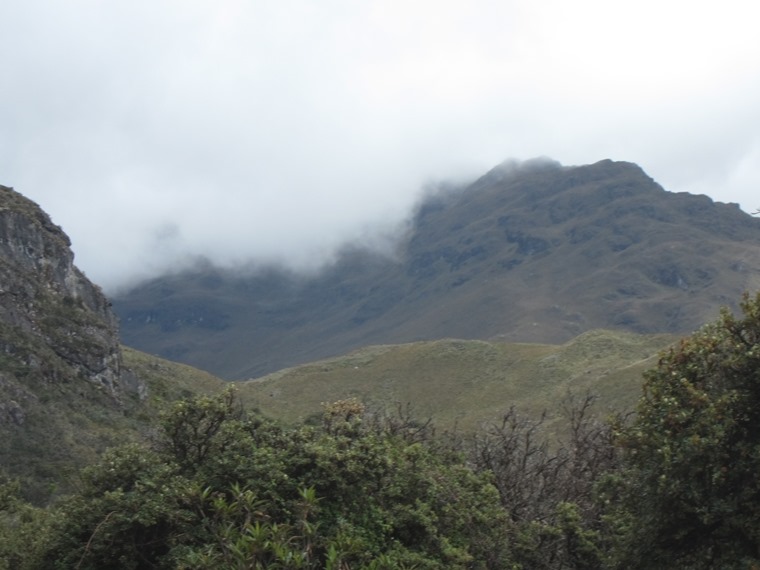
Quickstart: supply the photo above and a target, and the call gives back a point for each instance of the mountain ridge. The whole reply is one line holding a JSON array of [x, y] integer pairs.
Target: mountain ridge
[[529, 252]]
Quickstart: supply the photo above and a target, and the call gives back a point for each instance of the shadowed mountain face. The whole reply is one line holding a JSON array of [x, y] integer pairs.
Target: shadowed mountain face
[[534, 252]]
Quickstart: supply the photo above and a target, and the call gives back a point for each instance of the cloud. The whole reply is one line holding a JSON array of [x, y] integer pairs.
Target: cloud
[[156, 132]]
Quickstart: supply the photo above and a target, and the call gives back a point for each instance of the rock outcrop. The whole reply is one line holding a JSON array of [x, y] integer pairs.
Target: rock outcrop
[[54, 322], [68, 389]]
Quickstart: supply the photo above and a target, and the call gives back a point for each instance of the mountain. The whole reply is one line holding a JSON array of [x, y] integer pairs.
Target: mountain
[[529, 252], [67, 390]]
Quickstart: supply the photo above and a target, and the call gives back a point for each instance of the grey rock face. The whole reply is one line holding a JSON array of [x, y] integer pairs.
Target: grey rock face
[[52, 318]]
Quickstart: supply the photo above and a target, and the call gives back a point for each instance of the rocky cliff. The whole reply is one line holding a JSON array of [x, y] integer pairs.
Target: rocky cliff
[[62, 397], [53, 321]]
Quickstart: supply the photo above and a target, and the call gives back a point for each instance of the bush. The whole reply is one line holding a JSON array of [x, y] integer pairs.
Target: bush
[[691, 491], [219, 490]]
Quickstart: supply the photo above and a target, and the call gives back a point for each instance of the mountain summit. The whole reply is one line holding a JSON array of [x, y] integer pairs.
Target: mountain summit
[[532, 251]]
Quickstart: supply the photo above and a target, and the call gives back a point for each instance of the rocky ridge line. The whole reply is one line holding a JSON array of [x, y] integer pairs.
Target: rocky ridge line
[[53, 320]]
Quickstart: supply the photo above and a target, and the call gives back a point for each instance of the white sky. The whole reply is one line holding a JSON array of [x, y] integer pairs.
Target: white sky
[[277, 129]]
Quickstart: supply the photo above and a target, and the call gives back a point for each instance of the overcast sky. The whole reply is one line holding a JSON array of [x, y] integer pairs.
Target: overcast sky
[[156, 130]]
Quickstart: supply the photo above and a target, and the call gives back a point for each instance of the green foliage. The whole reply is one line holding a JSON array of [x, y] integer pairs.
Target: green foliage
[[549, 491], [247, 538], [691, 494], [24, 530], [191, 428], [130, 507], [563, 540], [217, 489]]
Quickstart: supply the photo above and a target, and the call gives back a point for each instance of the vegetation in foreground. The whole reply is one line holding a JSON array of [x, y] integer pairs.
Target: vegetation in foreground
[[674, 487]]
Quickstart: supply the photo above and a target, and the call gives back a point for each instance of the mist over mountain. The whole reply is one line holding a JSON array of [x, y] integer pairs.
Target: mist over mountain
[[534, 252]]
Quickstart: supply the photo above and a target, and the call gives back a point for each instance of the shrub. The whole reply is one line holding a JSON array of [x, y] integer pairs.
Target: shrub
[[691, 491]]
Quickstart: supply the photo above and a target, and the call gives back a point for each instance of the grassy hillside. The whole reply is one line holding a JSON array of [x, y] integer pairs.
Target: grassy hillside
[[455, 382], [167, 381], [53, 429], [465, 382]]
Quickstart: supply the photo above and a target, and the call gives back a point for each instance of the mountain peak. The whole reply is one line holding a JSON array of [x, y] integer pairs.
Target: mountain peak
[[511, 166], [529, 252]]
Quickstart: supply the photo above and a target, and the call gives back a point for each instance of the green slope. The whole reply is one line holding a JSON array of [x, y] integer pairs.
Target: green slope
[[465, 382], [53, 429], [167, 381]]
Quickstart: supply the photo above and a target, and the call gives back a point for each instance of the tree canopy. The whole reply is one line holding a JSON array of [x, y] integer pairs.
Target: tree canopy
[[693, 453]]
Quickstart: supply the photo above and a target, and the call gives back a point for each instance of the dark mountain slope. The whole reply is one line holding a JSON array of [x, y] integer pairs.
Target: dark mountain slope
[[529, 252]]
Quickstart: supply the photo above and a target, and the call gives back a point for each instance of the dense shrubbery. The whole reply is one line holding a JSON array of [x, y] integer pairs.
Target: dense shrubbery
[[690, 496], [219, 490], [216, 489], [677, 487]]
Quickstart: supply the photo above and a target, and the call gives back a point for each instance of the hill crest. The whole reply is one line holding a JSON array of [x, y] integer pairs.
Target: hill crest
[[465, 383]]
